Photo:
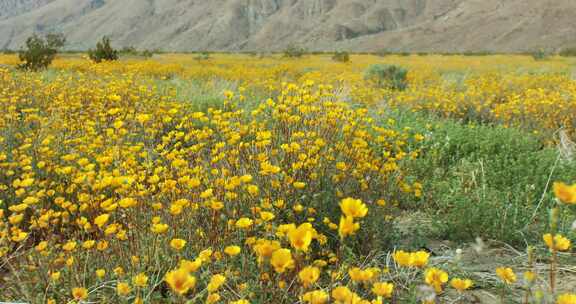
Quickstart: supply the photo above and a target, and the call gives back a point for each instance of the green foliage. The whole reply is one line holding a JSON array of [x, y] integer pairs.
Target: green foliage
[[294, 51], [40, 51], [203, 56], [103, 51], [540, 54], [388, 76], [132, 51], [341, 56], [486, 181], [147, 53]]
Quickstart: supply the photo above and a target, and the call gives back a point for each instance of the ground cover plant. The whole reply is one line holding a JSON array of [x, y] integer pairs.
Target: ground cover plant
[[288, 179]]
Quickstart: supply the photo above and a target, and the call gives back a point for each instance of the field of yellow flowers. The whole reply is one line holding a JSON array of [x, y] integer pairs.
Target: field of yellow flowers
[[261, 179]]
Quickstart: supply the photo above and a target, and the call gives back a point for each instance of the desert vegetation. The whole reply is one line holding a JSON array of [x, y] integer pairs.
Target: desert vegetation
[[288, 178]]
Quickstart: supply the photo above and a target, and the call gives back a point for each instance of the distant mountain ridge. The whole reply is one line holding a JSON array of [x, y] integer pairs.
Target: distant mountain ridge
[[267, 25]]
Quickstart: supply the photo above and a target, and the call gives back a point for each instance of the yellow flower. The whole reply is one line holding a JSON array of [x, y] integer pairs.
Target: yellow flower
[[342, 294], [309, 275], [216, 281], [100, 273], [347, 226], [267, 216], [101, 220], [529, 276], [383, 289], [88, 244], [460, 284], [435, 278], [180, 281], [557, 242], [301, 237], [79, 293], [159, 228], [244, 223], [69, 246], [242, 301], [177, 244], [299, 185], [565, 193], [232, 250], [282, 260], [205, 255], [353, 208], [191, 266], [402, 258], [315, 297], [127, 202], [118, 271], [212, 298], [252, 189], [140, 280], [507, 275], [41, 246], [55, 276], [123, 289], [567, 298], [216, 205], [419, 258]]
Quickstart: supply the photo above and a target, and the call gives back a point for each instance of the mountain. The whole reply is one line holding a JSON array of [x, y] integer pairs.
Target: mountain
[[256, 25]]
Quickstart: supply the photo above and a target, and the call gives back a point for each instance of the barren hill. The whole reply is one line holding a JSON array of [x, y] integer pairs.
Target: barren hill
[[358, 25]]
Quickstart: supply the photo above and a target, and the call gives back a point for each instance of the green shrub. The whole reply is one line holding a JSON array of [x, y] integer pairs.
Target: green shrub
[[341, 57], [486, 181], [294, 51], [40, 51], [389, 76], [103, 51], [540, 54], [203, 56], [147, 53]]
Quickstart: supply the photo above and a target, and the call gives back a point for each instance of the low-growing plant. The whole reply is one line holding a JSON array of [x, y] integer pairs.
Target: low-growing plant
[[203, 56], [388, 76], [40, 51], [294, 51], [103, 52], [540, 54], [341, 56], [495, 176]]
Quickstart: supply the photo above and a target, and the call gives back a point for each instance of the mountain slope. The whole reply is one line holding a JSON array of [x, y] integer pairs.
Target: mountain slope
[[359, 25]]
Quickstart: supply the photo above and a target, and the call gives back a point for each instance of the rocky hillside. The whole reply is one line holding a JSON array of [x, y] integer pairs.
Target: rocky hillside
[[358, 25]]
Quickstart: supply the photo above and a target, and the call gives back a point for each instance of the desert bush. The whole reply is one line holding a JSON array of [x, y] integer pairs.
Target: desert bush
[[147, 53], [103, 51], [203, 56], [294, 51], [341, 56], [40, 51], [389, 76], [540, 54], [129, 50]]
